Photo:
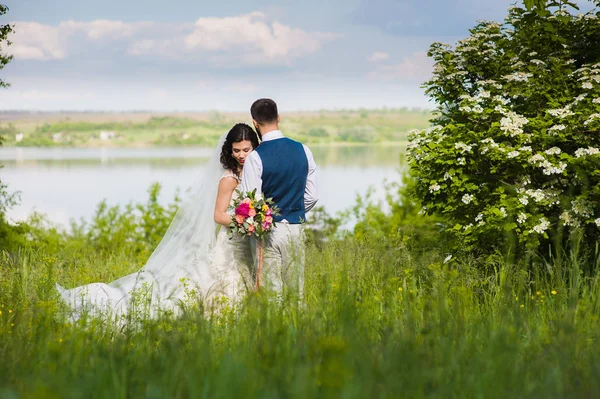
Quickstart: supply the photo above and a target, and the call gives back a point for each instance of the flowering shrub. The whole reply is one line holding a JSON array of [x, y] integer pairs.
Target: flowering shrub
[[514, 143]]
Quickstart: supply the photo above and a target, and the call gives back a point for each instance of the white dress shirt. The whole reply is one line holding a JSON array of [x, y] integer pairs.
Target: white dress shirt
[[253, 168]]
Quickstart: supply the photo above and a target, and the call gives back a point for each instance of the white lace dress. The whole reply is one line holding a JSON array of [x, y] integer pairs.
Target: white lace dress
[[222, 272], [232, 261]]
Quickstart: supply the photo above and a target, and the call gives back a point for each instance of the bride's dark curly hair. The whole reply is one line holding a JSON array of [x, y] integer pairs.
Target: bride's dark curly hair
[[238, 133]]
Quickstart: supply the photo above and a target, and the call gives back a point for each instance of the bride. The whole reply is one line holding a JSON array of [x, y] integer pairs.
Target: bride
[[195, 256]]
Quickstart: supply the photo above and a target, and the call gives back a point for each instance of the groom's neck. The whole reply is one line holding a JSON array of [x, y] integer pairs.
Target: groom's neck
[[268, 128]]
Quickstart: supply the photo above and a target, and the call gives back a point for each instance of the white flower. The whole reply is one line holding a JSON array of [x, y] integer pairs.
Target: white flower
[[513, 154], [597, 221], [587, 85], [586, 151], [479, 217], [461, 161], [571, 61], [582, 207], [556, 128], [596, 100], [518, 76], [538, 62], [553, 151], [434, 187], [467, 227], [448, 258], [521, 218], [484, 94], [538, 195], [512, 124], [542, 226], [566, 218], [525, 148], [478, 109], [448, 176], [250, 220], [561, 112], [466, 109], [503, 212], [524, 200], [467, 198], [550, 169], [537, 158], [591, 119], [463, 147], [532, 54]]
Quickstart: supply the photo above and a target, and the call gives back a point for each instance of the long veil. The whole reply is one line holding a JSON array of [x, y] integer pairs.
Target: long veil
[[180, 263]]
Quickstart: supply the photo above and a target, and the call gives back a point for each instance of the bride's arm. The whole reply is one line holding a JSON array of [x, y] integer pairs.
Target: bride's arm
[[226, 187]]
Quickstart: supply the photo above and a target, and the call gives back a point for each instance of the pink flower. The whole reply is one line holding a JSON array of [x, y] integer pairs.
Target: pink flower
[[269, 212], [246, 201], [266, 226], [239, 219], [243, 210], [252, 212], [269, 219], [251, 229]]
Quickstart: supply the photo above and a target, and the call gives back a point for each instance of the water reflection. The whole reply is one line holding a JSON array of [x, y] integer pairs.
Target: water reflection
[[68, 183]]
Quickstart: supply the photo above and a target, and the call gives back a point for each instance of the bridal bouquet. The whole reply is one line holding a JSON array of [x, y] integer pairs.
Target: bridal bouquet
[[252, 215]]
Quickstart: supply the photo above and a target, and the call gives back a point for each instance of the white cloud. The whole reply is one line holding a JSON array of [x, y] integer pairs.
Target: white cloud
[[378, 56], [415, 67], [250, 38], [34, 41]]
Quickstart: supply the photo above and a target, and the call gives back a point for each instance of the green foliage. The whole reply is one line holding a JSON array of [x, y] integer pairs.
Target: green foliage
[[512, 157], [5, 31]]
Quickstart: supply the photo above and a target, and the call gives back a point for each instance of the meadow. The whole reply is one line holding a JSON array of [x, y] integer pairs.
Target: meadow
[[146, 129], [384, 316]]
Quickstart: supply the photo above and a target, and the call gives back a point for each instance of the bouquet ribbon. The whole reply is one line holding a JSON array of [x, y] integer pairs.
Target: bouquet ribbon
[[261, 254]]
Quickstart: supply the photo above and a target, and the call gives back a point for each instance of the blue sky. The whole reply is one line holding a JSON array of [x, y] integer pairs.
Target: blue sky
[[201, 55]]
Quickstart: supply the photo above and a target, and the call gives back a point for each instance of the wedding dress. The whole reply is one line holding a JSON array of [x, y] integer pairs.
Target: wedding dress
[[195, 258]]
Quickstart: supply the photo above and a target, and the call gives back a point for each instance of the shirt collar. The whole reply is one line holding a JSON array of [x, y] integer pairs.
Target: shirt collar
[[272, 135]]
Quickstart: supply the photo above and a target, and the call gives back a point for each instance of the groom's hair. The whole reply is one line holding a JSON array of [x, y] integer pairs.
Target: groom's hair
[[264, 111]]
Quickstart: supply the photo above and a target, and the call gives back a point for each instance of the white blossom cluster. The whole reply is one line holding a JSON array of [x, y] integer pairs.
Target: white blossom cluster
[[518, 76], [580, 152], [467, 198], [463, 147], [512, 124], [556, 128], [591, 119], [521, 218], [582, 207], [542, 226], [561, 113]]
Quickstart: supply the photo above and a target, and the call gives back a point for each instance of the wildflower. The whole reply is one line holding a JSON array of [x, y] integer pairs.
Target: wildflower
[[556, 128], [513, 154], [586, 151], [597, 221], [521, 218], [596, 100], [467, 198], [542, 226], [463, 147], [518, 76], [512, 124], [448, 258], [553, 292], [434, 187], [553, 151], [538, 62], [587, 85], [561, 112], [400, 289], [503, 212], [522, 306], [538, 293], [591, 119]]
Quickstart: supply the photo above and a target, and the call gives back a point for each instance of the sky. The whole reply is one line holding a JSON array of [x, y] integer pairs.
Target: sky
[[197, 55]]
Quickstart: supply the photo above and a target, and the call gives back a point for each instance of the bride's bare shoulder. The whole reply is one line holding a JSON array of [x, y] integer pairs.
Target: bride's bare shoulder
[[230, 175]]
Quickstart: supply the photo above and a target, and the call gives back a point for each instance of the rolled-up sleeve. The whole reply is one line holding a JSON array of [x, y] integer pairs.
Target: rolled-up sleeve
[[252, 174], [310, 193]]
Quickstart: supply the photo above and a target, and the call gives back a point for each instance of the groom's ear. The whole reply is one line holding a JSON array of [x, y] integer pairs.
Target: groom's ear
[[278, 119]]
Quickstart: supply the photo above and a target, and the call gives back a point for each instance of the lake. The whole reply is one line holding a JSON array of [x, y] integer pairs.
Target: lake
[[67, 183]]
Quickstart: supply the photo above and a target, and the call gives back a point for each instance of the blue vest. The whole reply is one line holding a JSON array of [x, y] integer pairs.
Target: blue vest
[[285, 169]]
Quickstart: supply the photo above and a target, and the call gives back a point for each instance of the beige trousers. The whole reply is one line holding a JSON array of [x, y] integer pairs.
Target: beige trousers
[[283, 263]]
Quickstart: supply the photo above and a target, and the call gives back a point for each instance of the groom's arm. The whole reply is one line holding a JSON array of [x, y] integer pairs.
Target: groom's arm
[[310, 192], [252, 174]]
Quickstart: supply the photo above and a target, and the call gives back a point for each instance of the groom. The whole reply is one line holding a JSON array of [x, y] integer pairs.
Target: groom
[[284, 170]]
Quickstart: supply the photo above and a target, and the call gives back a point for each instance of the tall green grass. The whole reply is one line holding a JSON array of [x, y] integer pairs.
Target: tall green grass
[[377, 321]]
